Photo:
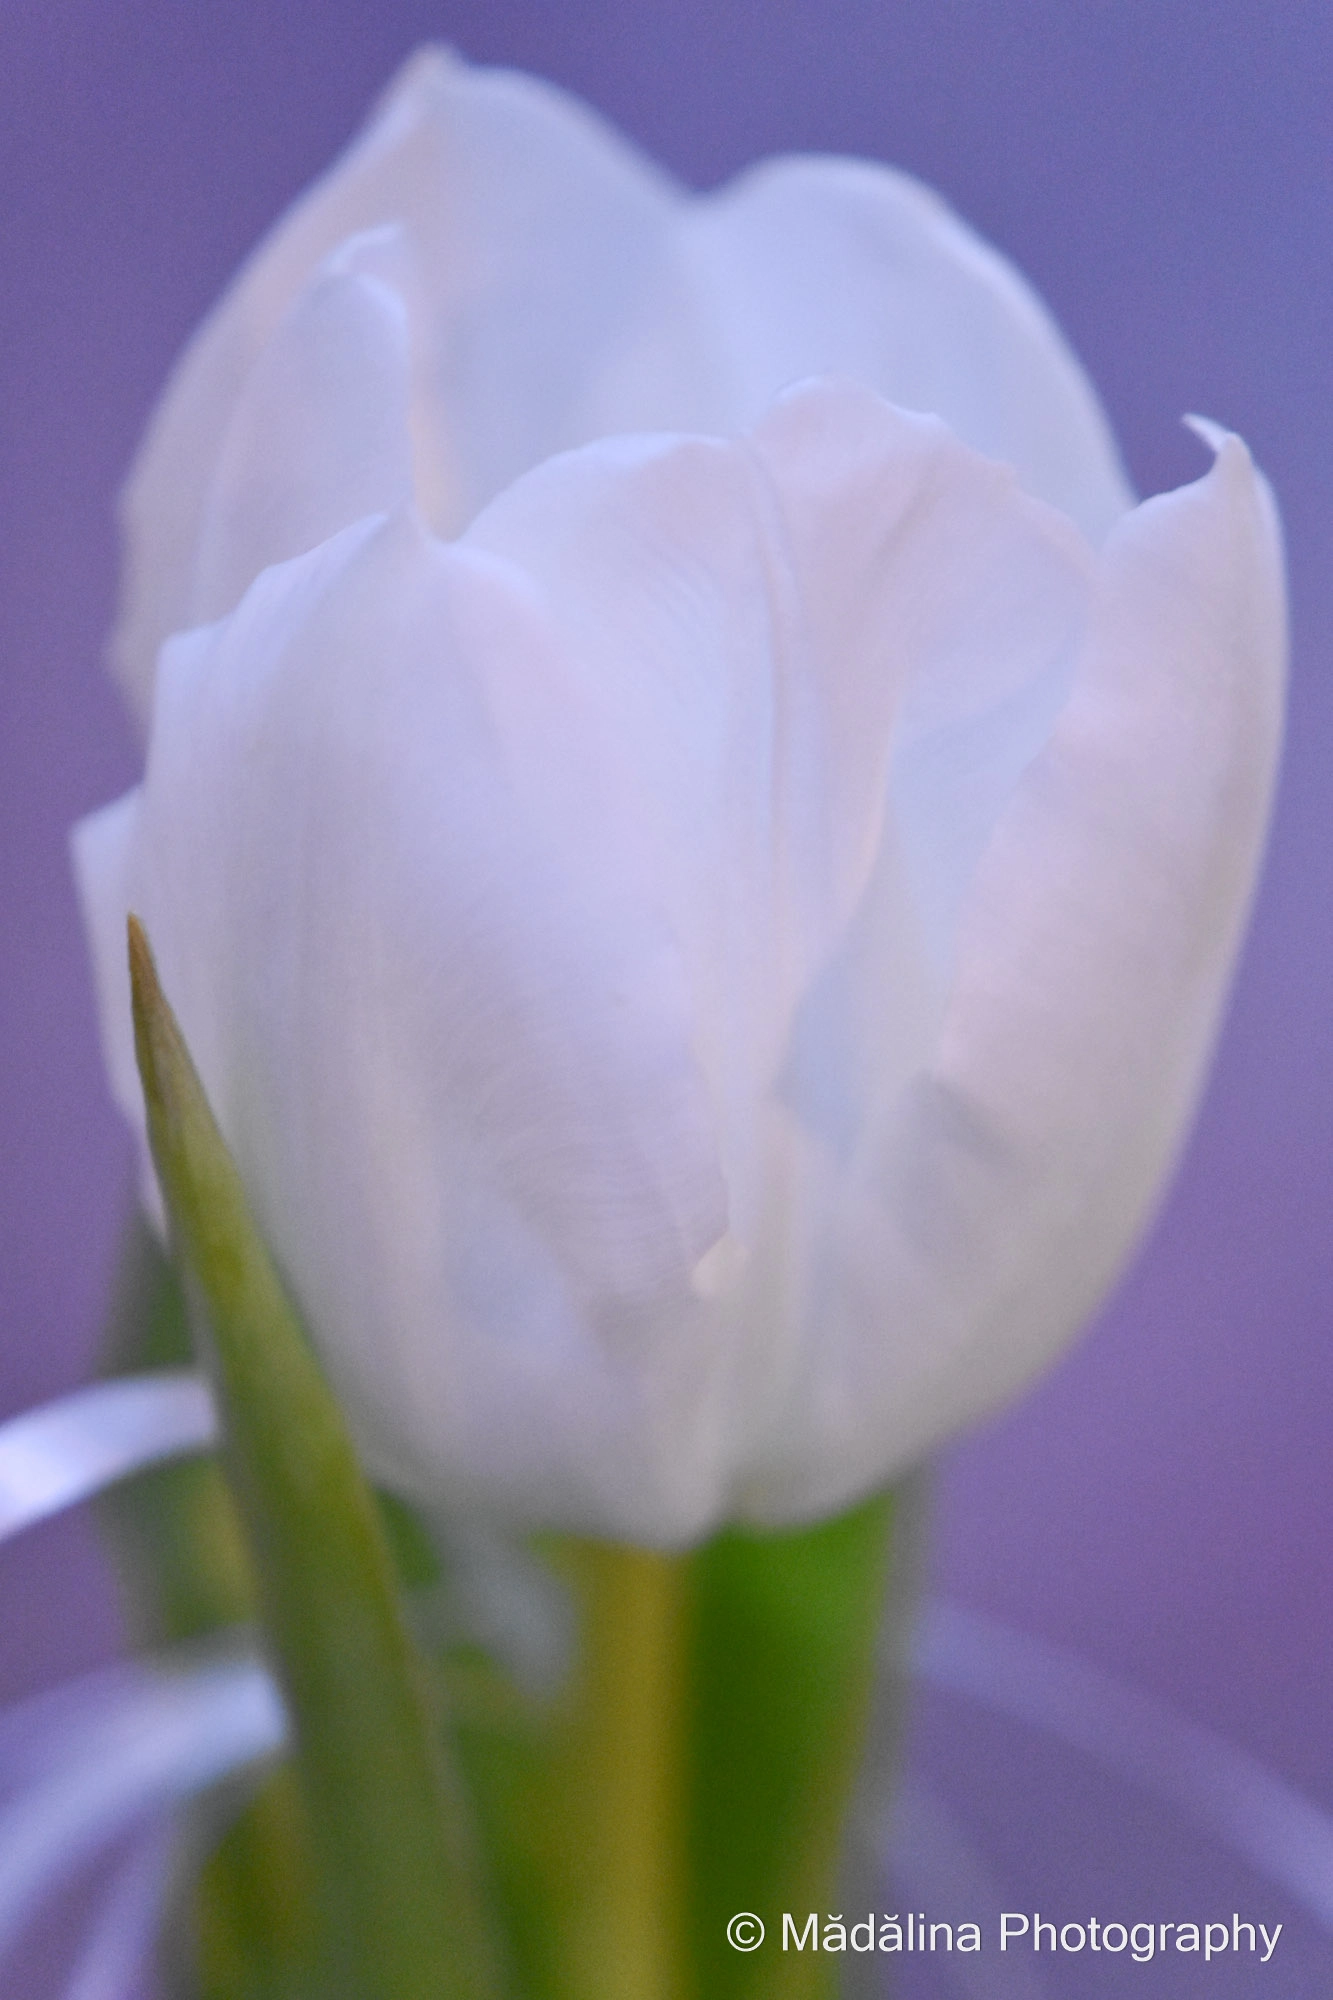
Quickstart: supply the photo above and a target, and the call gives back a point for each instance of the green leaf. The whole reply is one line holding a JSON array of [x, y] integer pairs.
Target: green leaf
[[173, 1528], [396, 1876], [783, 1662]]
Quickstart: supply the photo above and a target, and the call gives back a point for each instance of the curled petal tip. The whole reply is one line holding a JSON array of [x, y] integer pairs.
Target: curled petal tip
[[1219, 440]]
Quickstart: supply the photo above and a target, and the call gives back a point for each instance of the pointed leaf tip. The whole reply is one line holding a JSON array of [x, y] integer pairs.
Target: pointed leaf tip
[[151, 1012], [146, 999], [178, 1110]]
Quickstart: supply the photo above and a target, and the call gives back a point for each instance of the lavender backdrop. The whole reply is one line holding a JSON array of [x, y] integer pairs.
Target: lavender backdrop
[[1163, 1503]]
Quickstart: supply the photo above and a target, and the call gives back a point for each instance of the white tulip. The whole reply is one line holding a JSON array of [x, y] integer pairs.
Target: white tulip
[[705, 962]]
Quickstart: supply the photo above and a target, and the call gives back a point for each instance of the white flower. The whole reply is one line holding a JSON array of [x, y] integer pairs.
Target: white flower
[[704, 970]]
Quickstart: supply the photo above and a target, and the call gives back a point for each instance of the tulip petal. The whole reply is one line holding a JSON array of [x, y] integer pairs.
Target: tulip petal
[[480, 1136], [100, 848], [841, 267], [529, 224], [941, 610], [1092, 964], [319, 435], [810, 648]]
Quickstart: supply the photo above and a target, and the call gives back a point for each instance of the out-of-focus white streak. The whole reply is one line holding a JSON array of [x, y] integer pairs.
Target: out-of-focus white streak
[[121, 1940], [65, 1451], [1220, 1788], [97, 1758]]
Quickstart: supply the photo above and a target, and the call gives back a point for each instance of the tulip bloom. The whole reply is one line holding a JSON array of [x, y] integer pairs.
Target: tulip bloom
[[701, 911]]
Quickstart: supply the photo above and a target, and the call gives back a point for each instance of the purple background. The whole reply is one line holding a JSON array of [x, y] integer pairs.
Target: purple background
[[1163, 1502]]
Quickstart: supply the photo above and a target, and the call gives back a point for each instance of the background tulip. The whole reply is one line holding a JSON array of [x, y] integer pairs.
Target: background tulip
[[490, 275]]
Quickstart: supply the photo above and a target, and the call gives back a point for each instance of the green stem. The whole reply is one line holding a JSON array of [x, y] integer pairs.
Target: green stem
[[625, 1766], [707, 1756]]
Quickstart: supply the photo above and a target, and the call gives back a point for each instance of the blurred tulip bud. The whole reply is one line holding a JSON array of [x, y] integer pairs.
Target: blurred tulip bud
[[490, 275]]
